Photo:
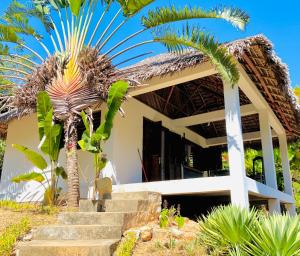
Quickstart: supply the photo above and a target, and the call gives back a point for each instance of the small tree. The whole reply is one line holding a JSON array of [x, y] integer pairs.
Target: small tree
[[50, 136], [91, 140]]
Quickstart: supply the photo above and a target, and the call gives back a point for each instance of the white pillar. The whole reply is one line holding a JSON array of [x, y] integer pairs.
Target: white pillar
[[268, 156], [239, 189], [288, 187], [268, 151]]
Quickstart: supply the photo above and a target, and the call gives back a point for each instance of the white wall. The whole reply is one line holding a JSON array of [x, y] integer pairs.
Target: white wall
[[122, 151], [24, 132]]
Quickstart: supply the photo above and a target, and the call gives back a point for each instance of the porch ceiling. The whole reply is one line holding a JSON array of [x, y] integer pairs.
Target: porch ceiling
[[197, 97]]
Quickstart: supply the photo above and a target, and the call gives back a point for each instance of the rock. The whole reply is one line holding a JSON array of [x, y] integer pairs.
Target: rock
[[27, 237], [136, 232], [146, 235], [176, 232]]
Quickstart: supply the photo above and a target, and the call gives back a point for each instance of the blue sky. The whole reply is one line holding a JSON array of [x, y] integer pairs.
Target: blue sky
[[278, 20]]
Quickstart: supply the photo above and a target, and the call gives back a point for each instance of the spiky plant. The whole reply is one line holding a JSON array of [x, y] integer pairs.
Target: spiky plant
[[78, 72]]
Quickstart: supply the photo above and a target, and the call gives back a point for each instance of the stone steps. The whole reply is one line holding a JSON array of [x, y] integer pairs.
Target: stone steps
[[103, 247], [96, 228], [77, 232]]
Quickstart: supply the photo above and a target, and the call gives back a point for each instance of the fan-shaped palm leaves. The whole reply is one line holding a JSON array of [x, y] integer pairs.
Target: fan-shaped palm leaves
[[77, 73]]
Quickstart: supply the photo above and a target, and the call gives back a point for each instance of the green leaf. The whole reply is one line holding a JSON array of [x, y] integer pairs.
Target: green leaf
[[85, 122], [33, 176], [164, 15], [86, 144], [131, 7], [32, 156], [75, 6], [44, 106], [52, 133], [115, 98], [60, 172], [192, 37]]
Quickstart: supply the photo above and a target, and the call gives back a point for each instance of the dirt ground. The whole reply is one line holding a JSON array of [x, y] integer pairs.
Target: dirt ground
[[8, 217], [164, 243]]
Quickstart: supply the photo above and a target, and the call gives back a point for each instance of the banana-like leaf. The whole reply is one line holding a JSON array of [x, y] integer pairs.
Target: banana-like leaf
[[52, 133], [75, 6], [33, 176], [35, 158], [86, 144], [44, 105], [60, 172], [131, 7], [116, 95], [85, 122]]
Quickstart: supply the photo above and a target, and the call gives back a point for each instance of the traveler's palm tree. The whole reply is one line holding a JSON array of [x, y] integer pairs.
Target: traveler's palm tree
[[78, 72]]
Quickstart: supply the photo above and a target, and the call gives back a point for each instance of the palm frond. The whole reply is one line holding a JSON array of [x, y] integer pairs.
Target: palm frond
[[193, 37], [131, 7], [164, 15]]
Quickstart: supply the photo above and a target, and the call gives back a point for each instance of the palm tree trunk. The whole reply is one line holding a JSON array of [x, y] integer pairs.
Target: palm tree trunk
[[71, 139]]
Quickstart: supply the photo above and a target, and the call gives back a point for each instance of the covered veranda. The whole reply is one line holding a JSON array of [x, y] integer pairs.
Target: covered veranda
[[194, 102]]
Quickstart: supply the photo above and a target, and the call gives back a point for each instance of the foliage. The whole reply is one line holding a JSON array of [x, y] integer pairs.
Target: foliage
[[28, 207], [11, 234], [275, 235], [127, 245], [297, 93], [226, 229], [170, 215], [50, 135], [92, 141]]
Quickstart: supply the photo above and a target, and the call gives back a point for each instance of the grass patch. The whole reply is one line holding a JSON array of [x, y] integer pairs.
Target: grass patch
[[127, 245], [28, 207], [11, 235]]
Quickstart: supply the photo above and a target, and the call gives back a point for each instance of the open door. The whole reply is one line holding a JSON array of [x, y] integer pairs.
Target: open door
[[152, 132]]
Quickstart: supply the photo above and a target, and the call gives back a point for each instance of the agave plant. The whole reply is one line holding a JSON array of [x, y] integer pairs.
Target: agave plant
[[79, 70], [276, 235], [226, 229]]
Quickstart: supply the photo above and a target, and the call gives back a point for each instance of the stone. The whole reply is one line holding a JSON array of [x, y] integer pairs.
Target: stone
[[27, 237], [146, 235], [176, 232]]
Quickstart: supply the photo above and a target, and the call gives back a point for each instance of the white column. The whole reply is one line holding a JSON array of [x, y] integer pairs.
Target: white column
[[268, 156], [288, 187], [267, 148], [239, 189]]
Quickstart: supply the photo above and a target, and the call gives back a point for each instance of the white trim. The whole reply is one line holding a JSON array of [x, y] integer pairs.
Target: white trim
[[179, 77], [250, 136], [212, 116]]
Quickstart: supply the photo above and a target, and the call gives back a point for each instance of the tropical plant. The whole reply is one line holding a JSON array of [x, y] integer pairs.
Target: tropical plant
[[226, 229], [297, 93], [83, 64], [275, 236], [50, 136], [170, 215], [91, 140]]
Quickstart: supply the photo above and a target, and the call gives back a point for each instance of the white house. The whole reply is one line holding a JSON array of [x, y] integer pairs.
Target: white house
[[179, 121]]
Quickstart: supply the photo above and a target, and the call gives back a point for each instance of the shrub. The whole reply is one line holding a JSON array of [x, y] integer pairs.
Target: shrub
[[226, 229], [170, 215], [127, 245], [276, 235], [11, 235]]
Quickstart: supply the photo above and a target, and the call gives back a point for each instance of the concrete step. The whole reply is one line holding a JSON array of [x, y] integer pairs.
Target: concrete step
[[104, 247], [78, 232], [92, 218], [143, 195], [114, 205]]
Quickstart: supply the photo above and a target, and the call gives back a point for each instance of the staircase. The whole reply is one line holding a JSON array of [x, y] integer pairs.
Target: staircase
[[96, 229]]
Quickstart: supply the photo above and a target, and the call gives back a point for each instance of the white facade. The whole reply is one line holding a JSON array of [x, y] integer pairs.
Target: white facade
[[126, 140]]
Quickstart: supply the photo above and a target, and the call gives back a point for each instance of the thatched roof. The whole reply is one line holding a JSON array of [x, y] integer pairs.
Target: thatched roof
[[255, 54]]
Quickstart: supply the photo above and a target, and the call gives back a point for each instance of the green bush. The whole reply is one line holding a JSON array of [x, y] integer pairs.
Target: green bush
[[225, 230], [127, 245], [11, 235], [230, 230], [170, 215], [276, 235]]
